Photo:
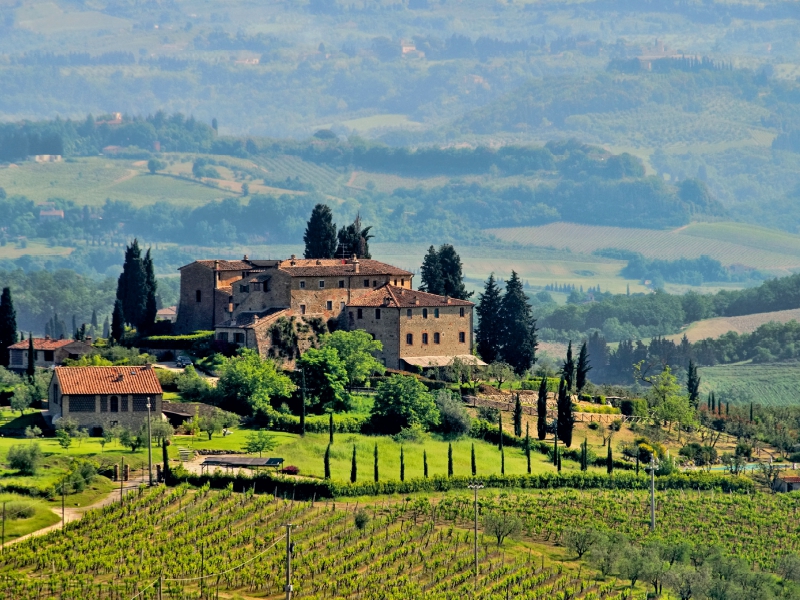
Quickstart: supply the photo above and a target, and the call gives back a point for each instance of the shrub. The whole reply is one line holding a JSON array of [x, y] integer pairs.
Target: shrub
[[25, 458], [20, 510], [177, 342], [410, 435], [488, 413], [361, 518], [634, 407], [453, 417], [345, 423], [290, 470]]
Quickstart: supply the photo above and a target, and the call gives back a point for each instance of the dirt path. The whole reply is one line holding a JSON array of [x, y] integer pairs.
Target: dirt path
[[75, 513]]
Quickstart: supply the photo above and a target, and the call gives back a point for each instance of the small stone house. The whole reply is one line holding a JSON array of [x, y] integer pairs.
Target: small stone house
[[48, 352], [787, 483], [102, 397]]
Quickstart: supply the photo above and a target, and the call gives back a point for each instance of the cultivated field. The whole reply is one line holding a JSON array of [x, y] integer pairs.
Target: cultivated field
[[781, 254], [713, 328], [774, 384]]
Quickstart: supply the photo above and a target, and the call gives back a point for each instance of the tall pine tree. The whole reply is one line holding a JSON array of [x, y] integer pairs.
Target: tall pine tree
[[320, 235], [566, 419], [541, 410], [693, 384], [518, 327], [432, 279], [8, 326], [569, 369], [489, 333], [151, 289], [452, 273], [117, 322], [582, 369], [132, 286]]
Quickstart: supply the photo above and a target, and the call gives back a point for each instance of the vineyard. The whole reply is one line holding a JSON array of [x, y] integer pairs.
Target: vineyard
[[770, 384], [668, 245], [418, 547]]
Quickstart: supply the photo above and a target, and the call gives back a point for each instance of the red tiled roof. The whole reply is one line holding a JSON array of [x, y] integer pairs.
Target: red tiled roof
[[791, 479], [397, 297], [329, 267], [108, 380], [223, 265], [41, 344]]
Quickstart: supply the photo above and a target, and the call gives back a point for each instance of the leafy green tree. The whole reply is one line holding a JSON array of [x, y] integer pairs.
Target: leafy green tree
[[248, 383], [325, 377], [541, 410], [432, 278], [580, 541], [357, 350], [693, 384], [501, 524], [517, 416], [260, 441], [454, 420], [354, 239], [609, 460], [117, 322], [22, 398], [489, 332], [25, 458], [8, 325], [583, 368], [566, 418], [211, 423], [518, 327], [193, 387], [320, 235], [64, 438], [154, 165], [401, 402]]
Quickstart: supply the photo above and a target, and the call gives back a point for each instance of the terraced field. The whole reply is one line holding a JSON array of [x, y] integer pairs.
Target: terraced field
[[753, 247]]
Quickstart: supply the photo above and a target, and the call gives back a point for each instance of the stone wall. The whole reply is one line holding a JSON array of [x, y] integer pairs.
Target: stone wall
[[125, 416], [194, 315], [448, 325], [385, 329]]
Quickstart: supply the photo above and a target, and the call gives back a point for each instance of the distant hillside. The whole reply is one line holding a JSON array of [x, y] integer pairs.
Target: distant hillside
[[772, 384], [713, 328]]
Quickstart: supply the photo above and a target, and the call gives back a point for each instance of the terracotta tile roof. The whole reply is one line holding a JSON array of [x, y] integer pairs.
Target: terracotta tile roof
[[791, 479], [42, 344], [108, 380], [223, 265], [309, 267], [397, 297], [248, 320]]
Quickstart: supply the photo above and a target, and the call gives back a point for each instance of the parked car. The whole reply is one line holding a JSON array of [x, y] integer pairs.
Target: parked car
[[183, 362]]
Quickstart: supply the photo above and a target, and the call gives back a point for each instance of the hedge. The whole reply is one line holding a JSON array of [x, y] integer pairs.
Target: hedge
[[305, 489], [176, 342], [317, 423]]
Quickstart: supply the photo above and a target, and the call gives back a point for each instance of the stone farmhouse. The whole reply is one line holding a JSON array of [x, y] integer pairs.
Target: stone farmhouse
[[249, 302], [102, 397], [47, 352]]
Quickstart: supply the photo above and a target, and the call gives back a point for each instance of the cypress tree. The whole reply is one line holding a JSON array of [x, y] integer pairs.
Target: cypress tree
[[727, 409], [353, 467], [541, 410], [528, 447], [330, 428], [518, 327], [751, 412], [452, 273], [555, 448], [584, 455], [320, 235], [117, 322], [693, 384], [449, 459], [502, 461], [74, 327], [559, 460], [712, 400], [518, 417], [150, 291], [425, 463], [610, 461], [637, 464], [402, 464], [31, 370], [8, 326], [489, 332], [132, 286], [566, 419], [375, 466], [583, 368], [569, 369], [94, 320], [472, 461], [432, 278], [106, 328], [500, 430], [328, 462]]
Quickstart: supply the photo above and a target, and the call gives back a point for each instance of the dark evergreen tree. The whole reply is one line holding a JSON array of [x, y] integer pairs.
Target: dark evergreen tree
[[610, 460], [353, 467], [541, 410], [132, 286], [518, 327], [502, 461], [8, 326], [452, 273], [559, 460], [330, 428], [528, 447], [151, 292], [500, 430], [751, 412], [354, 239], [106, 328], [517, 416], [555, 448], [449, 459], [117, 322], [328, 462], [693, 384], [566, 419], [569, 369], [425, 463], [489, 332], [582, 369], [473, 464], [74, 327], [584, 455], [320, 236], [94, 321], [432, 279], [711, 406], [375, 453], [31, 370], [402, 464]]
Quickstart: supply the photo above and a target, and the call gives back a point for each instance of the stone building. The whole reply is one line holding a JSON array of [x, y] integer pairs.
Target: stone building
[[47, 352], [252, 302], [102, 397]]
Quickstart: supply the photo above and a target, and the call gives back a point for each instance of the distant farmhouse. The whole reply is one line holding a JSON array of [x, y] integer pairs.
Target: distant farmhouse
[[47, 352], [253, 303]]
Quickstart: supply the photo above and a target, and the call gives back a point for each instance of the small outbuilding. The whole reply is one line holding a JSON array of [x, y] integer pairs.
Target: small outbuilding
[[787, 483]]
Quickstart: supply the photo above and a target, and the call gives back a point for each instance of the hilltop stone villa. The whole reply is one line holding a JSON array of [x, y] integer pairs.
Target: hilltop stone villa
[[249, 303]]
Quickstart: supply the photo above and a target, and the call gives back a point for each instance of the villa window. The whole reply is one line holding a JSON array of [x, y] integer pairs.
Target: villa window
[[198, 296], [410, 339], [462, 337], [424, 339], [436, 338]]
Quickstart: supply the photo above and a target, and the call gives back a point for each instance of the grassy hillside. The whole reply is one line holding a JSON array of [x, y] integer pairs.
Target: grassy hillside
[[774, 384], [755, 248], [713, 328]]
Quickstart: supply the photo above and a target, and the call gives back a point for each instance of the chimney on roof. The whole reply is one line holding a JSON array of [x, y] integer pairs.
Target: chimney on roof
[[294, 256], [356, 264], [216, 265], [416, 301], [245, 257], [47, 337], [319, 262], [293, 262], [446, 299]]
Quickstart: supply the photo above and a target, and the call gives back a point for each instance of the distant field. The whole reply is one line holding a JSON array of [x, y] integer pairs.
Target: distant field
[[12, 251], [780, 254], [713, 328], [394, 121], [773, 384]]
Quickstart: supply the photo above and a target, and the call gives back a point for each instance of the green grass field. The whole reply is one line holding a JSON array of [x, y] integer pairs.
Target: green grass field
[[751, 249], [12, 251], [16, 526], [773, 384]]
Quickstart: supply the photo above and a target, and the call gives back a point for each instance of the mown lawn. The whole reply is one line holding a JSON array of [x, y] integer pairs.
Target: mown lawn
[[16, 527]]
